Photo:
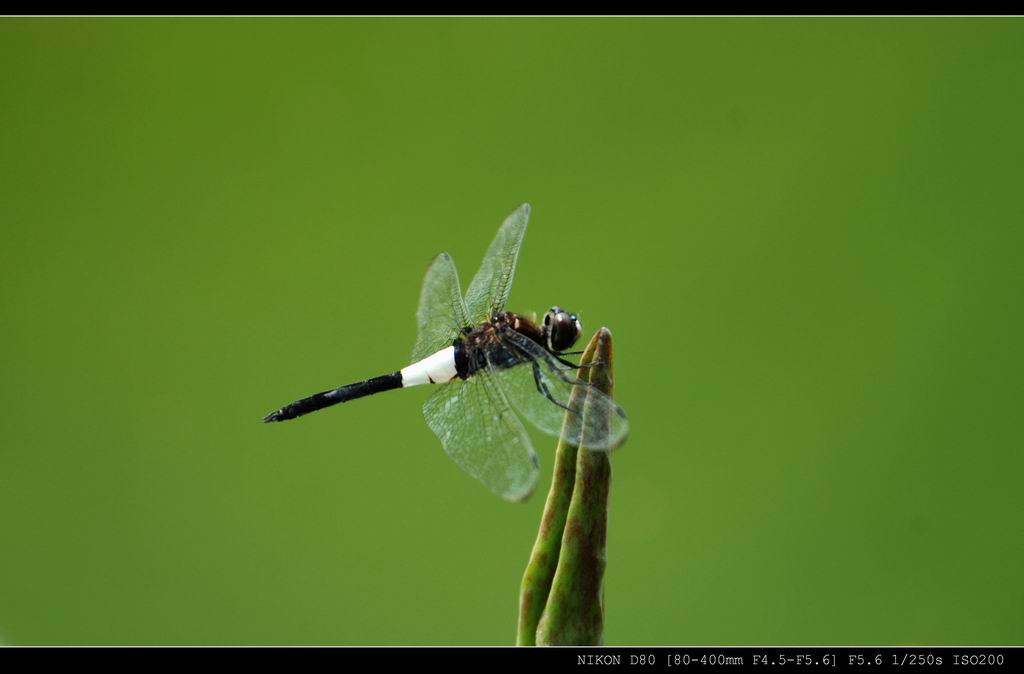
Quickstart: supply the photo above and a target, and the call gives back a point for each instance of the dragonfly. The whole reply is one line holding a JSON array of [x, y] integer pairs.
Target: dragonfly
[[491, 367]]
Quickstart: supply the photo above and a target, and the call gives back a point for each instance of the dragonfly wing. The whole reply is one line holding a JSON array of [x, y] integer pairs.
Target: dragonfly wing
[[481, 433], [442, 312], [551, 397], [489, 289]]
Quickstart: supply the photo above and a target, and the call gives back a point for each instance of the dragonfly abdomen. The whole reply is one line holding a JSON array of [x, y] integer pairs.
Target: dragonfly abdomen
[[319, 401], [436, 368]]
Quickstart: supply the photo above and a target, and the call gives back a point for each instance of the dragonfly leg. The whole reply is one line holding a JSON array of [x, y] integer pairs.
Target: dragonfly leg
[[568, 363], [542, 387], [573, 366]]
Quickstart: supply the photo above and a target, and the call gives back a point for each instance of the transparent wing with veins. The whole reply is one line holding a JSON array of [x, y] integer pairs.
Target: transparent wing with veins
[[442, 313], [548, 394], [489, 289], [481, 434], [471, 418]]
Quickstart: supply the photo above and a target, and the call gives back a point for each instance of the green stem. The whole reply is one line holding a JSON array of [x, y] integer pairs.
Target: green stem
[[562, 596]]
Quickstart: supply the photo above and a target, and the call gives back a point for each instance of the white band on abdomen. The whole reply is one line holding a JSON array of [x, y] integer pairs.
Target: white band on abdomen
[[435, 369]]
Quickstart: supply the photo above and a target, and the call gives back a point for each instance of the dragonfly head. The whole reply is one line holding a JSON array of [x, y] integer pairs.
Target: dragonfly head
[[561, 329]]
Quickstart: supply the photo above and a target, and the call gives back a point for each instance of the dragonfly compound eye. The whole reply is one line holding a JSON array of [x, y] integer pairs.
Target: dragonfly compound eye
[[563, 330]]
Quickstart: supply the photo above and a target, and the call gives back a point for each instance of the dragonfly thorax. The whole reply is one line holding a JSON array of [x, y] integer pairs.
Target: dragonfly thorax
[[483, 345]]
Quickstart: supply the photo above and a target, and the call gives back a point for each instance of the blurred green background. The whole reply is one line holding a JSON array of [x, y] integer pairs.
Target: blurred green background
[[805, 234]]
